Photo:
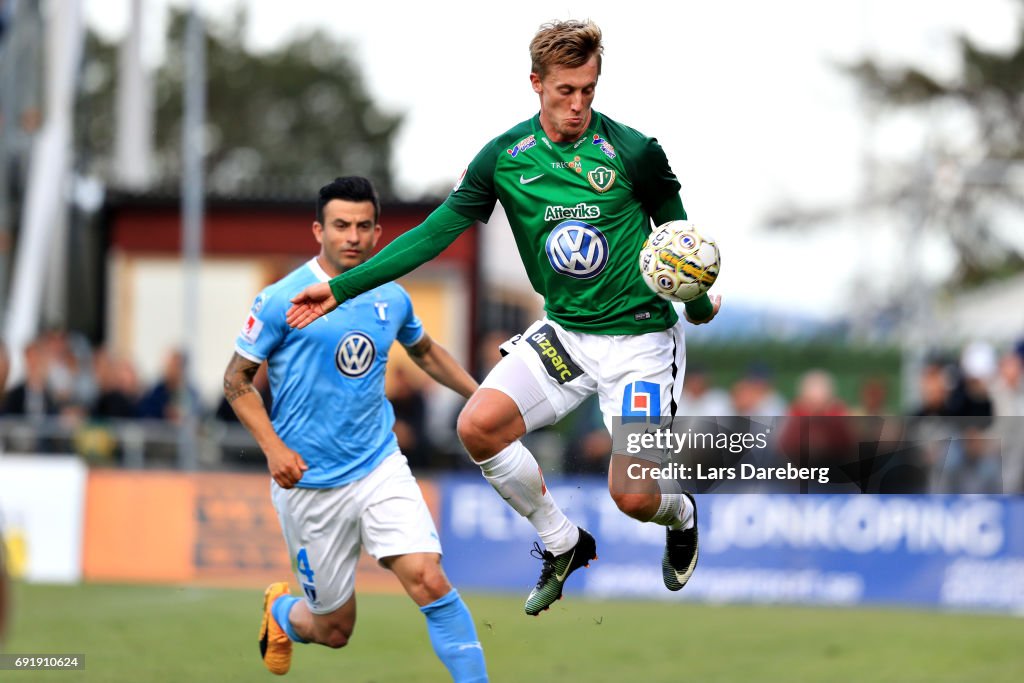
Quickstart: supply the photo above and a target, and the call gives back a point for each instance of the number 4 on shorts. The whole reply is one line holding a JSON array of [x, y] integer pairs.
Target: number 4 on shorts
[[302, 565]]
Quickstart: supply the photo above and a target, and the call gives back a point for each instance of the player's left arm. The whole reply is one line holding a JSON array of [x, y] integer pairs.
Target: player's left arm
[[435, 360], [704, 308], [658, 192]]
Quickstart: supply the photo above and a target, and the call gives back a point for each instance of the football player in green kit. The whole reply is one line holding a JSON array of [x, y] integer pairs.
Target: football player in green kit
[[580, 191]]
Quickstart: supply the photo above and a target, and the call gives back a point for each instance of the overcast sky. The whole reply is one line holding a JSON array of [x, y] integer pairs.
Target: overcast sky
[[743, 95]]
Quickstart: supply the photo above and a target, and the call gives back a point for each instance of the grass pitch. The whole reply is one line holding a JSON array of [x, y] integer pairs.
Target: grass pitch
[[145, 634]]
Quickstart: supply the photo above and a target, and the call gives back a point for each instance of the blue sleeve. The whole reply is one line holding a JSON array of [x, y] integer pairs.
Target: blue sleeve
[[412, 328], [264, 328]]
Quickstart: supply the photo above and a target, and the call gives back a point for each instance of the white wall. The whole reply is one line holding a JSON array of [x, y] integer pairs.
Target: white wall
[[146, 307]]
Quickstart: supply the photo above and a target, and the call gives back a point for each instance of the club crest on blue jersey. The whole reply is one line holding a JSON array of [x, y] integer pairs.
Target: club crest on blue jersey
[[523, 145], [605, 146], [577, 249], [641, 402], [355, 354], [381, 307]]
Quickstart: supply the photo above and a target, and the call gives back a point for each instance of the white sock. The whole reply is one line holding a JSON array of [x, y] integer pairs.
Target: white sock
[[675, 511], [516, 476]]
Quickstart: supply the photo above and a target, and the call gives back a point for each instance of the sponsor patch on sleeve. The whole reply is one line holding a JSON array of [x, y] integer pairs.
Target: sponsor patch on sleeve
[[458, 183], [252, 328]]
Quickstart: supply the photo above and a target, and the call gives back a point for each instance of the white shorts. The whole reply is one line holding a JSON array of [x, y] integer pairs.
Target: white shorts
[[550, 371], [326, 528]]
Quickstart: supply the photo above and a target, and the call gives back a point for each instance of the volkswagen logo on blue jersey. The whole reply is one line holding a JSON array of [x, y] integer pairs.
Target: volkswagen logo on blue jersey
[[355, 354], [577, 249]]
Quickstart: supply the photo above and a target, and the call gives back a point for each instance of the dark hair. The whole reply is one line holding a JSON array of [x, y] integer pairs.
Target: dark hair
[[350, 188]]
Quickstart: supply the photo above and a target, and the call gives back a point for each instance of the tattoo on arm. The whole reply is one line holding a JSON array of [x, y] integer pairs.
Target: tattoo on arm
[[238, 378], [421, 348]]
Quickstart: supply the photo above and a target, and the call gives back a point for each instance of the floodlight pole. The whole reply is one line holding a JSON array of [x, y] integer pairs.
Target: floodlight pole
[[192, 190]]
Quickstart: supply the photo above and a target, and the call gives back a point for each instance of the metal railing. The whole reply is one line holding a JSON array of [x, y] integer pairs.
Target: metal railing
[[131, 443]]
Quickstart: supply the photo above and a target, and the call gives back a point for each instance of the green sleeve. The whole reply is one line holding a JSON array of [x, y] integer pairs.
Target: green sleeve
[[671, 210], [474, 195], [403, 255], [654, 182]]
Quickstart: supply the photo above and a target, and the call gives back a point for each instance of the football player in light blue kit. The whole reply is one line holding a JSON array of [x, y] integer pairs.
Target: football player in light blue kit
[[340, 482]]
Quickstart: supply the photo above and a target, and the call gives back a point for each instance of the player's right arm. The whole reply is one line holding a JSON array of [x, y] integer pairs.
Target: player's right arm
[[472, 199], [285, 465], [403, 255]]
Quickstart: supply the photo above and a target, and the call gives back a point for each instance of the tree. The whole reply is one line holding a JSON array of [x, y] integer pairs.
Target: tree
[[280, 122], [970, 175]]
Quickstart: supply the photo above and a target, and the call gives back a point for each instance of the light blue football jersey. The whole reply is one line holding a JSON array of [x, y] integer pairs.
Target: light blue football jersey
[[327, 380]]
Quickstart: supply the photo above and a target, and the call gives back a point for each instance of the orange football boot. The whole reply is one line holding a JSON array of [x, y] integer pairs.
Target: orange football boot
[[275, 645]]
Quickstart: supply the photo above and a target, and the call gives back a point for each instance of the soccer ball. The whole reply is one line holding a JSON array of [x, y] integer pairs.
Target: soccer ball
[[678, 262]]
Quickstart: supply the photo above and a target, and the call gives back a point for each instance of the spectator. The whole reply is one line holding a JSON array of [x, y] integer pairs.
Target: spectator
[[32, 397], [118, 387], [973, 464], [410, 408], [589, 442], [931, 432], [1008, 405], [873, 393], [700, 398], [816, 396], [169, 399], [755, 396], [69, 374], [489, 350], [970, 396], [816, 431]]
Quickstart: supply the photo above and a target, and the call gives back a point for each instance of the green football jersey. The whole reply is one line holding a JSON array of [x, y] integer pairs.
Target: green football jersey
[[580, 212]]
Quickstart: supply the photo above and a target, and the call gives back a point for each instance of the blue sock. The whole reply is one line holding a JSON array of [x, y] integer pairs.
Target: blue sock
[[280, 610], [454, 638]]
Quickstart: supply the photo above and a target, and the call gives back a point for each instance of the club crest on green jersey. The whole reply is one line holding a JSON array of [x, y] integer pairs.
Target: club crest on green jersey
[[601, 178]]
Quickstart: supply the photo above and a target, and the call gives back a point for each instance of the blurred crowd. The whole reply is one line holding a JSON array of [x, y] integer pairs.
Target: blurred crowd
[[963, 433], [968, 407], [66, 378]]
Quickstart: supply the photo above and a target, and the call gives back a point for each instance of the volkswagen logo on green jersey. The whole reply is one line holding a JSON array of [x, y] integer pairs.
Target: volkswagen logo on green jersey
[[354, 355], [577, 249]]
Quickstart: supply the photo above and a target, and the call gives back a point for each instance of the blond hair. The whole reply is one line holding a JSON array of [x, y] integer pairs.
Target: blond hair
[[568, 43]]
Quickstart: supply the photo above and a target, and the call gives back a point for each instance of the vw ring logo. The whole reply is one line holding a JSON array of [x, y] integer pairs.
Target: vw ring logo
[[355, 354], [577, 249]]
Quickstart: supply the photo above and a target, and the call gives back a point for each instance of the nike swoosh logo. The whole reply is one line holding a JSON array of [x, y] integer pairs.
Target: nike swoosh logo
[[527, 181], [561, 577]]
